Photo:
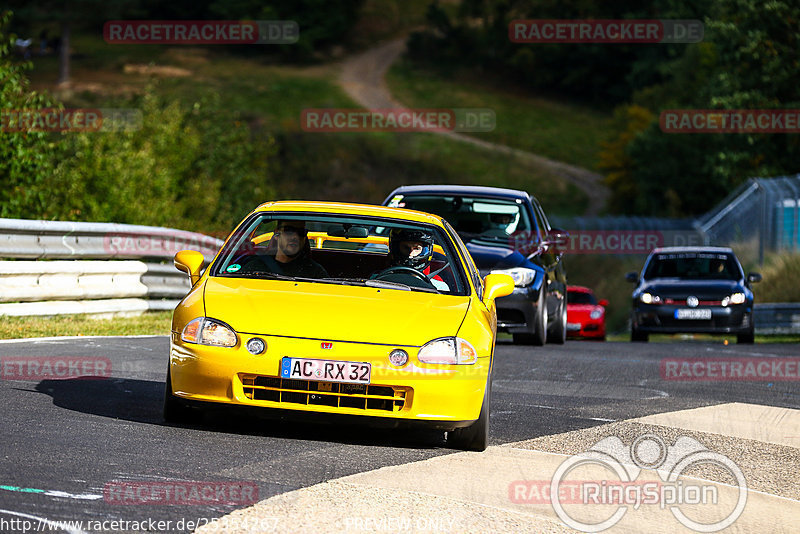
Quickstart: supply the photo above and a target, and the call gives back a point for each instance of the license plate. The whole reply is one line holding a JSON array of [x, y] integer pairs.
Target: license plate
[[573, 326], [684, 313], [326, 370]]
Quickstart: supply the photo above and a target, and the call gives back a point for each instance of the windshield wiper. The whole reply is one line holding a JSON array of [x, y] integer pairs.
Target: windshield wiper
[[260, 274]]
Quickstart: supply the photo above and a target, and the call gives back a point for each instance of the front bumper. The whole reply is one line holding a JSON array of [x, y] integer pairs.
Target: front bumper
[[516, 313], [442, 396], [593, 328], [660, 318]]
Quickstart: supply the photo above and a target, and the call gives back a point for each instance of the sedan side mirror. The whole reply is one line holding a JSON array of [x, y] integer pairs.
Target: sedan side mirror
[[558, 237], [754, 277], [190, 262], [603, 303], [496, 285], [632, 277]]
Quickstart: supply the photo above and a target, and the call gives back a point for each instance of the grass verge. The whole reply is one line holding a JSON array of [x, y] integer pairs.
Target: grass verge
[[152, 323], [557, 130]]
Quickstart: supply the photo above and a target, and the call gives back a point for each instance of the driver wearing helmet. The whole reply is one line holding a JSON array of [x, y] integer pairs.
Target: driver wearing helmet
[[414, 249]]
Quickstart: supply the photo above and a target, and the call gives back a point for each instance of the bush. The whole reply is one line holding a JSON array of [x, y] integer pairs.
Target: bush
[[195, 168]]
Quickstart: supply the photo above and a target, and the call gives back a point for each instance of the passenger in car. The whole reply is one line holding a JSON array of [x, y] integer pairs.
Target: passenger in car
[[288, 253]]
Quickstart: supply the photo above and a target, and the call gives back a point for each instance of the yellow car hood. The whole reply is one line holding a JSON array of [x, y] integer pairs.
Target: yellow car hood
[[333, 312]]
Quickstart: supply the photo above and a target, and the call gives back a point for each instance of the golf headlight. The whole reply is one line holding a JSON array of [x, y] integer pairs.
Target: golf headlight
[[736, 298], [647, 298], [205, 331], [450, 350], [596, 313], [522, 276]]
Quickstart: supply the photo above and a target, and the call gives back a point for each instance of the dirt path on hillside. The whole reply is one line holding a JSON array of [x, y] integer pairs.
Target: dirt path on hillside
[[363, 79]]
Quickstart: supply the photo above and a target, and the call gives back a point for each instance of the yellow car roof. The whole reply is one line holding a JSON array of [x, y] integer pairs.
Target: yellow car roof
[[345, 208]]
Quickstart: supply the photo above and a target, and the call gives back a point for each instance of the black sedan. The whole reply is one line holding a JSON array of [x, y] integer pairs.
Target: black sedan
[[505, 231], [692, 290]]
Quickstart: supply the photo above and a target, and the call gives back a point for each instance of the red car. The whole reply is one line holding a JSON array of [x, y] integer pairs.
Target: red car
[[586, 317]]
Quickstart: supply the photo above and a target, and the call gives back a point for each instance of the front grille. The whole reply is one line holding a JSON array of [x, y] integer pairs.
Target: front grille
[[333, 394], [508, 316]]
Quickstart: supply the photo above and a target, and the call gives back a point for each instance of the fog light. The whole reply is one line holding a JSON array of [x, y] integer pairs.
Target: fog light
[[398, 357], [256, 345]]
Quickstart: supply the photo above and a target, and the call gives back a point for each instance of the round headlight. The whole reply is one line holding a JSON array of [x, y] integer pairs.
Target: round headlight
[[256, 345], [647, 298], [398, 357], [596, 313]]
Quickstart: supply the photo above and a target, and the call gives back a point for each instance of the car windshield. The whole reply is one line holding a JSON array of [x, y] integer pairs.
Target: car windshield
[[332, 249], [580, 297], [694, 266], [485, 218]]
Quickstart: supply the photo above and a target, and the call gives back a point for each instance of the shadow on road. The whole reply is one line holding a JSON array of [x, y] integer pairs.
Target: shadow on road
[[141, 401]]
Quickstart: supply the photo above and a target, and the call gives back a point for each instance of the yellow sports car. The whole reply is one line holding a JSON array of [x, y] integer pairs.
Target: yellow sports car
[[364, 311]]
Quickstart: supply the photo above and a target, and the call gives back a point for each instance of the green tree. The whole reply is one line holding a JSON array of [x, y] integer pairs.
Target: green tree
[[26, 157]]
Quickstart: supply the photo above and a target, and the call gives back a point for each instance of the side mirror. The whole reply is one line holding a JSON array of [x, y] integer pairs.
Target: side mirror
[[632, 277], [603, 303], [190, 262], [558, 237], [496, 285], [754, 277]]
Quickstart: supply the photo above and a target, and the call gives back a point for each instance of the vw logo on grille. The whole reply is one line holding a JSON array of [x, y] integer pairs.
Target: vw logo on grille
[[692, 301], [326, 345]]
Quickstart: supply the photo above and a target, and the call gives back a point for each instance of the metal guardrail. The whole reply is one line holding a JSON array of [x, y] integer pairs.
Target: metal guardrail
[[777, 318], [29, 239], [112, 286]]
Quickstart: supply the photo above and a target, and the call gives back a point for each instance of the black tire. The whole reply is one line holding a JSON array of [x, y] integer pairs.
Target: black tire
[[746, 339], [174, 410], [636, 335], [559, 333], [539, 337], [476, 436]]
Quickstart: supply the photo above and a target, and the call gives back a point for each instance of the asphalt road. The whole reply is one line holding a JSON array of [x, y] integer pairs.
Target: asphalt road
[[64, 441]]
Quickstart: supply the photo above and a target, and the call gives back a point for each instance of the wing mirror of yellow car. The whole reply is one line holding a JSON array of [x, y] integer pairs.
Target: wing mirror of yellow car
[[190, 262], [496, 285]]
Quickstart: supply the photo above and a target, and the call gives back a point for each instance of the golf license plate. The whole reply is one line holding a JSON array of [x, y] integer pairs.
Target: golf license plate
[[326, 370], [696, 314]]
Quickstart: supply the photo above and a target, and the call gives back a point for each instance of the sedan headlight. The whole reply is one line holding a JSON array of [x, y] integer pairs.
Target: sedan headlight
[[736, 298], [596, 313], [205, 331], [522, 276], [647, 298], [451, 350]]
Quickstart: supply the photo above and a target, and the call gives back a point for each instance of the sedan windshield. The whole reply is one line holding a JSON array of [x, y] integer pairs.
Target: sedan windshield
[[323, 248], [694, 266], [580, 297], [488, 218]]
